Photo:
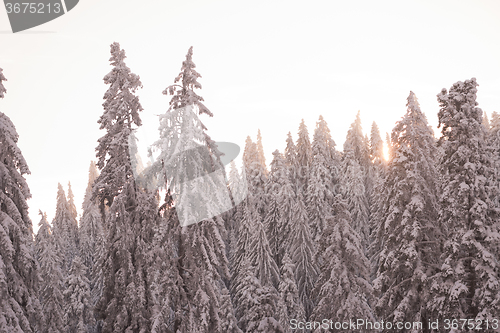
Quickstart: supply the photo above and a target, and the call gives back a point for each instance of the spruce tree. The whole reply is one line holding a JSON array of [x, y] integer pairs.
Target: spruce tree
[[65, 230], [20, 310], [289, 300], [242, 249], [376, 151], [408, 233], [72, 208], [121, 114], [168, 296], [257, 304], [389, 147], [468, 284], [189, 166], [486, 122], [256, 177], [126, 298], [92, 239], [304, 159], [377, 197], [52, 286], [78, 315], [291, 159], [354, 190], [281, 199], [260, 152], [131, 215], [321, 178], [356, 141], [229, 323], [302, 251], [237, 185], [266, 269], [493, 140], [343, 290]]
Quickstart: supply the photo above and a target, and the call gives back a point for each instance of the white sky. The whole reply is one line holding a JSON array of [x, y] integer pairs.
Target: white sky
[[265, 64]]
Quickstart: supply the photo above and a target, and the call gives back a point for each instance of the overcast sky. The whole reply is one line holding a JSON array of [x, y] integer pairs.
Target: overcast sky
[[264, 64]]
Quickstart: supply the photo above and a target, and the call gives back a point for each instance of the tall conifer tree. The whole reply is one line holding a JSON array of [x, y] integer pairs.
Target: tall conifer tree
[[52, 287], [260, 152], [468, 284], [291, 159], [65, 230], [20, 309], [302, 250], [279, 217], [187, 153], [92, 239], [303, 160], [131, 215], [322, 175], [343, 290], [78, 316], [408, 233]]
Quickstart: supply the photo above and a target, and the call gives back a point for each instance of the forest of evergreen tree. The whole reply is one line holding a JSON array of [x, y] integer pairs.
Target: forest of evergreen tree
[[411, 236]]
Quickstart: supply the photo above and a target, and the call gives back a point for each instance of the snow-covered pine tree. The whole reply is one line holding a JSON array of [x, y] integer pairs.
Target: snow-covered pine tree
[[91, 233], [322, 172], [135, 157], [248, 154], [242, 249], [245, 292], [92, 239], [343, 290], [377, 197], [73, 223], [253, 249], [72, 209], [354, 189], [121, 113], [257, 305], [260, 255], [20, 310], [289, 302], [291, 159], [493, 140], [187, 153], [125, 303], [273, 216], [229, 323], [390, 151], [468, 284], [64, 230], [356, 141], [304, 159], [376, 148], [486, 122], [168, 297], [279, 216], [256, 177], [78, 311], [408, 233], [132, 214], [302, 253], [262, 314], [52, 286], [237, 185], [260, 152]]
